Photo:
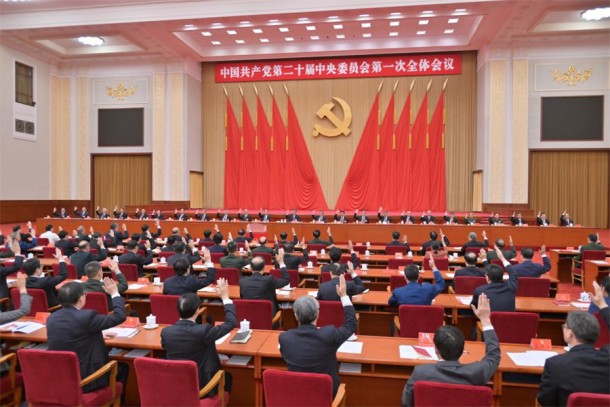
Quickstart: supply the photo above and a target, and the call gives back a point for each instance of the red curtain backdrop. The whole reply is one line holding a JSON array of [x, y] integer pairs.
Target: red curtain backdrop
[[302, 188], [247, 180], [387, 162], [438, 190], [361, 186], [402, 176], [277, 163], [262, 156], [420, 173], [232, 155]]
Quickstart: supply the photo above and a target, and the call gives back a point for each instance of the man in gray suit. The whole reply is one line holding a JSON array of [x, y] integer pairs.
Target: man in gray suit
[[449, 344]]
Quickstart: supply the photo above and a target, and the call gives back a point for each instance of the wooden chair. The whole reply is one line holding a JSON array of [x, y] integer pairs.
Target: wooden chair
[[11, 384], [581, 399], [578, 266], [258, 312], [282, 388], [533, 287], [418, 318], [39, 301], [229, 274]]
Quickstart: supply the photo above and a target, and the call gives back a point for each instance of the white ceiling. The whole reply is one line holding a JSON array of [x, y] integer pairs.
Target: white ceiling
[[214, 30]]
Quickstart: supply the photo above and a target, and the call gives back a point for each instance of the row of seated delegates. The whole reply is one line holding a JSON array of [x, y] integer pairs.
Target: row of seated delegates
[[25, 241]]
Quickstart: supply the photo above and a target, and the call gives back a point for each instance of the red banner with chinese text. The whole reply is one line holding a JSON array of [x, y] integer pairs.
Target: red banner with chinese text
[[338, 68]]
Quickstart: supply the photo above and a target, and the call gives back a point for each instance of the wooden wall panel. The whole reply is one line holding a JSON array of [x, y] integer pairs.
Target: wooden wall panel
[[22, 211], [332, 156], [196, 189], [574, 180]]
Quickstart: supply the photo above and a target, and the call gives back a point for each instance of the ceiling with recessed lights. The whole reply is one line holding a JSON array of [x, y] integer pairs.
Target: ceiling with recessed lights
[[215, 30]]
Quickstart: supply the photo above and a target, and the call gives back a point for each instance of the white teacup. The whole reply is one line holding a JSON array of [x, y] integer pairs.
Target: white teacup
[[584, 296], [310, 264], [410, 254], [244, 325], [365, 266]]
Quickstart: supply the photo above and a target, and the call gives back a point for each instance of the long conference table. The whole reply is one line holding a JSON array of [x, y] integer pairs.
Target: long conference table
[[375, 377]]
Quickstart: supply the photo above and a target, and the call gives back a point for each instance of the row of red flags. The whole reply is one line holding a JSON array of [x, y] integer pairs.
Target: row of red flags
[[398, 164]]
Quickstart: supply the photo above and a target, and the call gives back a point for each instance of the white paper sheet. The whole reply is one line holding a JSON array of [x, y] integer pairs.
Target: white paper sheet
[[450, 275], [531, 357], [219, 341], [123, 332], [351, 347], [208, 289], [465, 300], [583, 305], [312, 293], [135, 286], [21, 327]]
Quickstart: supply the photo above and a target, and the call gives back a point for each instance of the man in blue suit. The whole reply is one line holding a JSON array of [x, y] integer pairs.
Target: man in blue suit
[[414, 293], [527, 268]]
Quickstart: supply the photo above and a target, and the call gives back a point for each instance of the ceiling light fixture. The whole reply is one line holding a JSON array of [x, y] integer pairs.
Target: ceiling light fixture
[[264, 40], [338, 26], [216, 24], [366, 35], [215, 42], [303, 18], [394, 23], [340, 36], [453, 20], [244, 22], [596, 13], [315, 37], [364, 15], [284, 29], [394, 34], [366, 25], [206, 34], [311, 28], [231, 32], [91, 41], [257, 30], [240, 41], [395, 14], [288, 39], [460, 10], [449, 31], [421, 33], [427, 12], [423, 22]]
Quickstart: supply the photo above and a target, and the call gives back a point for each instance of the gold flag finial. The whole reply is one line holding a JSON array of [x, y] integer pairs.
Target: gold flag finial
[[395, 86], [285, 88], [411, 87], [255, 90], [429, 85], [270, 89], [241, 90], [225, 90], [445, 84], [380, 86]]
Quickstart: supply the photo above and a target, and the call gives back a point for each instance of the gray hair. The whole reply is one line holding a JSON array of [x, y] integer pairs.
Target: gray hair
[[584, 326], [472, 236], [306, 309]]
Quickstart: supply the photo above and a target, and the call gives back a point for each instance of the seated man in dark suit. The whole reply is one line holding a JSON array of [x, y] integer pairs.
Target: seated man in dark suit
[[449, 346], [218, 247], [593, 243], [340, 217], [427, 218], [261, 287], [157, 215], [188, 340], [433, 239], [314, 350], [501, 294], [233, 260], [141, 214], [148, 235], [517, 220], [508, 254], [396, 242], [450, 218], [328, 290], [470, 219], [184, 281], [384, 216], [291, 260], [583, 368], [131, 256], [84, 256], [406, 218], [284, 239], [192, 256], [244, 217], [316, 238], [170, 244], [180, 215], [473, 242], [79, 330], [263, 215], [414, 293], [319, 218], [334, 254], [83, 213], [62, 213], [262, 247], [471, 269], [225, 217], [360, 217], [564, 219], [241, 236], [527, 268], [495, 220], [114, 237], [541, 219], [95, 279], [36, 279], [203, 215], [120, 214], [103, 214], [293, 216]]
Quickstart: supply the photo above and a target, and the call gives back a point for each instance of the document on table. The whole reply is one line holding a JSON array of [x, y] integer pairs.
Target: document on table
[[123, 332], [136, 353], [219, 341], [135, 286], [417, 352], [21, 327], [208, 289], [450, 275], [312, 293], [584, 305], [465, 300], [531, 357], [351, 347]]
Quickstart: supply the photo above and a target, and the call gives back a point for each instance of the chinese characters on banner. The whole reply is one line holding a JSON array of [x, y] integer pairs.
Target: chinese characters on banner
[[333, 68]]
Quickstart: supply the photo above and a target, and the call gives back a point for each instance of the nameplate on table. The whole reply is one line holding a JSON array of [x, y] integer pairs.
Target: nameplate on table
[[533, 358], [417, 352], [465, 300], [207, 289], [450, 275]]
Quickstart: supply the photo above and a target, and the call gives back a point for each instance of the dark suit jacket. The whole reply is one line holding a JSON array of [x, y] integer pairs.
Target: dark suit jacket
[[322, 241], [202, 216], [542, 222], [582, 369], [418, 294], [565, 222], [470, 271], [407, 218], [80, 260], [262, 287], [318, 218], [187, 340], [5, 271], [235, 261], [448, 371], [120, 215], [501, 295], [244, 217], [528, 268], [361, 218], [263, 249], [328, 290], [223, 217], [343, 267], [218, 248], [134, 258], [192, 258], [264, 217], [82, 214], [469, 221], [494, 221], [80, 331], [98, 287], [509, 253], [474, 243], [341, 218], [424, 247], [590, 246], [384, 219], [293, 218], [141, 216], [312, 350], [180, 216], [293, 261], [178, 285], [117, 239], [399, 243], [516, 221], [102, 215], [48, 283], [244, 239], [428, 219]]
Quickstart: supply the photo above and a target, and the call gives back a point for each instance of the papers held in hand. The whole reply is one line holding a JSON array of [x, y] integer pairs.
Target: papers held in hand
[[242, 337]]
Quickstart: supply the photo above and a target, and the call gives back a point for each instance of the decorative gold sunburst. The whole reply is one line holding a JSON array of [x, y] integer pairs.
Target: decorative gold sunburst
[[121, 92], [572, 76]]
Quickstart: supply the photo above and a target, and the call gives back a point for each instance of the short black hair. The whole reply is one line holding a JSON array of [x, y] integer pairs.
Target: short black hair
[[395, 235], [289, 247], [188, 304], [231, 247], [433, 236], [136, 237], [62, 234], [500, 243], [114, 225], [179, 247], [316, 233], [449, 341], [336, 269], [435, 246], [335, 254], [495, 273], [92, 268], [31, 265], [181, 266], [283, 235], [593, 237], [527, 253], [605, 283], [132, 244], [241, 232], [412, 273], [48, 227], [171, 239], [218, 238], [257, 263], [470, 258], [145, 227], [70, 293], [207, 233]]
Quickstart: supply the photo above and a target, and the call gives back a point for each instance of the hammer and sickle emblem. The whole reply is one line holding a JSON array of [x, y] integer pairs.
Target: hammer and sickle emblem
[[341, 126]]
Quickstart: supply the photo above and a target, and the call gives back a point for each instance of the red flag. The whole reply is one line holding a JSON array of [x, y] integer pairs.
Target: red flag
[[247, 182], [438, 190], [232, 161], [387, 161], [420, 173], [262, 156], [402, 178], [361, 186], [302, 188], [277, 165]]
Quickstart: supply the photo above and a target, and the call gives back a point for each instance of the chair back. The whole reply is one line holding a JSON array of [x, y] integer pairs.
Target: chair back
[[206, 244], [392, 250], [581, 399], [42, 241], [165, 307], [315, 247], [294, 276], [97, 301], [130, 271], [39, 300], [166, 255], [313, 259], [51, 377], [419, 318], [216, 256], [433, 394], [515, 327], [142, 253], [441, 263], [345, 258], [282, 388], [258, 312], [331, 313], [397, 282], [241, 245], [163, 382], [466, 285], [327, 276], [360, 248], [165, 272], [229, 273], [533, 287], [268, 258], [48, 252], [604, 338], [71, 271], [395, 264]]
